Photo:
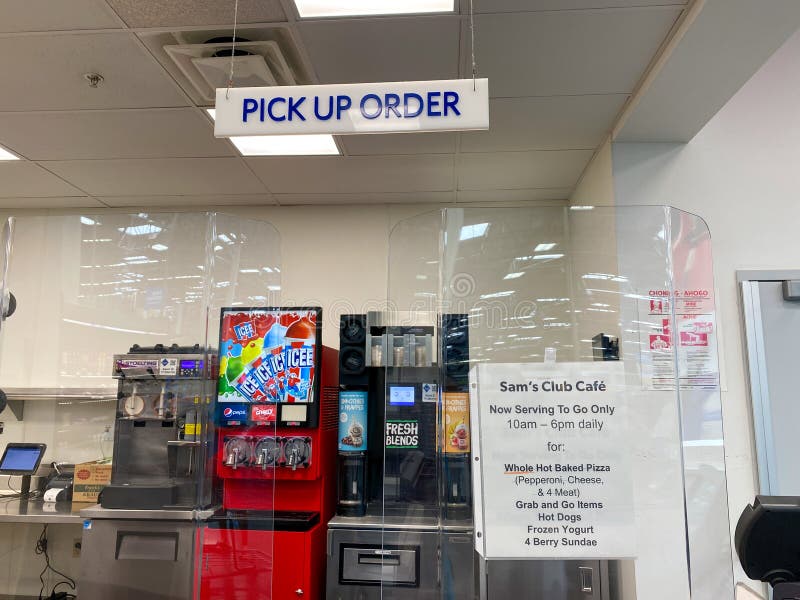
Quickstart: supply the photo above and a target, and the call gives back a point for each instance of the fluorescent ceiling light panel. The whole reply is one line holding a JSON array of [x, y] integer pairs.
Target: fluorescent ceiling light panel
[[283, 145], [469, 232], [148, 229], [88, 221], [159, 247], [497, 295], [352, 8], [544, 247], [513, 275], [6, 155], [547, 256], [286, 145]]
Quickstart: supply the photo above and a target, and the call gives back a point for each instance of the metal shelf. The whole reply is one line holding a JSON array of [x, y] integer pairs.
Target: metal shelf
[[17, 396]]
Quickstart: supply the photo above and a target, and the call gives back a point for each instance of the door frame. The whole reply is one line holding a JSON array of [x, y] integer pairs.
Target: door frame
[[756, 369]]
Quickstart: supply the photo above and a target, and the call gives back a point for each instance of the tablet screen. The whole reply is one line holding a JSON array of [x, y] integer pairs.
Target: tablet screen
[[21, 458]]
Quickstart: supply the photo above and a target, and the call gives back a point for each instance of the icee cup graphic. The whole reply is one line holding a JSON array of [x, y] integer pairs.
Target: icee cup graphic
[[299, 359]]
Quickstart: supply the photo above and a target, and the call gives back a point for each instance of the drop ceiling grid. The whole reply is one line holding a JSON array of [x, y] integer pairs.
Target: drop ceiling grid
[[243, 165], [496, 144], [661, 19]]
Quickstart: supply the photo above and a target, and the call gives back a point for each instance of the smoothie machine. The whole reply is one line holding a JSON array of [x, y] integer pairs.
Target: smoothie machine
[[403, 519]]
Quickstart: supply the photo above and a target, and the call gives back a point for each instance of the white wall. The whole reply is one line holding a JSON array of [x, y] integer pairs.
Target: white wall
[[740, 174]]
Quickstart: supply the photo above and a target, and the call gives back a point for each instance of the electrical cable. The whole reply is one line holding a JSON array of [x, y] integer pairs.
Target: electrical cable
[[68, 595], [17, 492], [41, 549]]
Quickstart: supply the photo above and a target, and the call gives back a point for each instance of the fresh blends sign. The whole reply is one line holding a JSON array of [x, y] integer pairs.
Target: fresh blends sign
[[402, 433], [409, 106]]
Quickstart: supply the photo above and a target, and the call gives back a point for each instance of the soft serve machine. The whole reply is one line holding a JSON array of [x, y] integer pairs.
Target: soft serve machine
[[159, 482]]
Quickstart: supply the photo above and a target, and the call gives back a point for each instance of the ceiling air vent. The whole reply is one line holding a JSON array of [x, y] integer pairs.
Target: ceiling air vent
[[207, 65]]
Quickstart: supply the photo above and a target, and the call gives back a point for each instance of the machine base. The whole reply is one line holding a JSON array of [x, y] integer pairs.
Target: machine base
[[143, 497], [137, 560], [247, 558], [358, 561]]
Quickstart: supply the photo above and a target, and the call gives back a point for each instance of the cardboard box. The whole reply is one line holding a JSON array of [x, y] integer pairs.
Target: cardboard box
[[90, 479]]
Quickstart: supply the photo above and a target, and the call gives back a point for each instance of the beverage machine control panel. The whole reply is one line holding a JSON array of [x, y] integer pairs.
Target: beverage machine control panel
[[160, 362]]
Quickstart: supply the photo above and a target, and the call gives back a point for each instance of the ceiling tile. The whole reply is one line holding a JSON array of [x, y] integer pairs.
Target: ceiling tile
[[28, 180], [264, 199], [516, 170], [568, 52], [566, 122], [494, 6], [75, 135], [185, 13], [368, 50], [399, 143], [47, 73], [167, 176], [477, 196], [365, 174], [391, 198], [54, 202], [46, 15]]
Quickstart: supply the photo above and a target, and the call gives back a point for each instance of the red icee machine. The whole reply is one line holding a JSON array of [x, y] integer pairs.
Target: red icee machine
[[275, 462]]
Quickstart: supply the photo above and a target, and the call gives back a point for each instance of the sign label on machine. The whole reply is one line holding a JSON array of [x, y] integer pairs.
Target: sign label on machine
[[553, 476], [681, 334], [408, 106]]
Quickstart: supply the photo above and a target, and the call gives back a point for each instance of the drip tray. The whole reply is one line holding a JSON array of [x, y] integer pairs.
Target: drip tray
[[280, 520]]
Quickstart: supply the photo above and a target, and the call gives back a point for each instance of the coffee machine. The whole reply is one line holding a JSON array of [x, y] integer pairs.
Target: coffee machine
[[403, 522], [160, 481]]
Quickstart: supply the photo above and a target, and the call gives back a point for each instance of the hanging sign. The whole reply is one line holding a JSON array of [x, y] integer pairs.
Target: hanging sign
[[552, 473], [408, 106]]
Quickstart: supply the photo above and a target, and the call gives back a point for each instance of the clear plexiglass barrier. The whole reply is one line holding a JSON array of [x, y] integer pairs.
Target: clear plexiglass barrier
[[553, 425], [111, 358]]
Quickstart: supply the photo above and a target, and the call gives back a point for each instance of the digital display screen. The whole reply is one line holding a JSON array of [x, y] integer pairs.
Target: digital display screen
[[269, 355], [18, 458], [401, 396], [188, 364]]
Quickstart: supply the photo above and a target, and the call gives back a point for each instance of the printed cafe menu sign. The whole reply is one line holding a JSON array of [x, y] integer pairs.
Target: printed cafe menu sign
[[552, 470]]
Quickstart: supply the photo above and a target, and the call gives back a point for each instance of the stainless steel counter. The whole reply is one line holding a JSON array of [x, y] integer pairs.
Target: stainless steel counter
[[36, 511], [95, 511]]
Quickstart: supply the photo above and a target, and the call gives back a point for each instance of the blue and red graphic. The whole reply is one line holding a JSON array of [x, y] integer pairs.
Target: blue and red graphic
[[233, 413], [268, 355], [244, 330]]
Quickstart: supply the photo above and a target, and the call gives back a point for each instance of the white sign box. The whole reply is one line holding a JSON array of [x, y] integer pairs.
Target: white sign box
[[552, 472], [406, 106]]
